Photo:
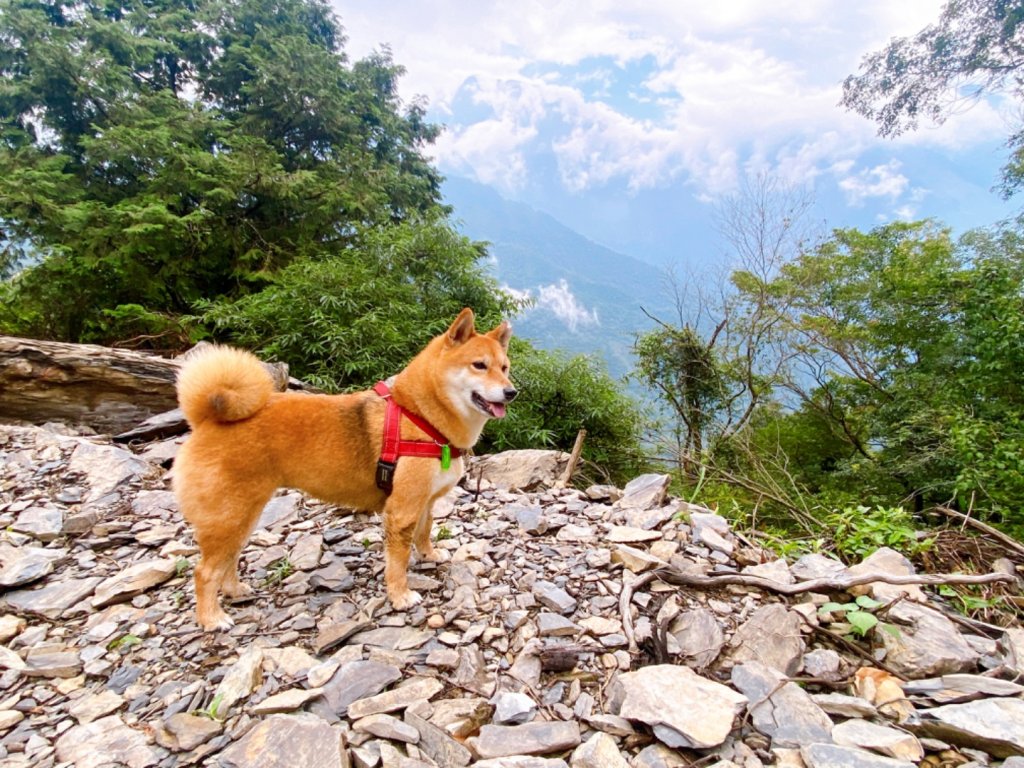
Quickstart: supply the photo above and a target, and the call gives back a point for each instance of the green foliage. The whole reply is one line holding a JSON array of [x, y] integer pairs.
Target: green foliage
[[858, 531], [157, 153], [124, 642], [858, 617], [973, 50], [561, 395], [278, 571], [345, 321]]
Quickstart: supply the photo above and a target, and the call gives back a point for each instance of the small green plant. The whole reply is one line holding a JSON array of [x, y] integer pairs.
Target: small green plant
[[859, 616], [278, 571], [366, 542], [181, 566], [858, 531], [211, 710], [969, 604], [124, 642], [443, 533]]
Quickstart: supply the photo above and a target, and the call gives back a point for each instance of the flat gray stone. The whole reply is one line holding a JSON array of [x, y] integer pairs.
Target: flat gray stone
[[358, 680], [438, 745], [512, 708], [644, 492], [133, 580], [995, 726], [555, 625], [928, 643], [387, 727], [538, 738], [183, 732], [683, 708], [287, 741], [698, 637], [105, 742], [53, 600], [42, 521], [835, 756], [599, 751], [554, 597], [781, 710], [816, 566], [772, 637], [408, 693], [890, 742], [23, 565], [522, 761]]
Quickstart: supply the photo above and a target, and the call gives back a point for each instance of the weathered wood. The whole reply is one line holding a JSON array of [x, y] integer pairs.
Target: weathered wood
[[109, 390]]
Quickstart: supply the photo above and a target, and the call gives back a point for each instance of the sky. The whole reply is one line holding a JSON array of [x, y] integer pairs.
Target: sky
[[631, 121]]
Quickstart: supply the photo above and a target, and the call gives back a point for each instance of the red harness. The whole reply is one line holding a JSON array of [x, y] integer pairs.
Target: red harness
[[393, 446]]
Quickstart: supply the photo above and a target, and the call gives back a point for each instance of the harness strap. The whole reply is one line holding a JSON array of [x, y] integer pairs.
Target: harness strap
[[393, 446]]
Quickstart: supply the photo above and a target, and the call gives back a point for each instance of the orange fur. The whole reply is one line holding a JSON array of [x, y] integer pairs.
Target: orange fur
[[247, 441]]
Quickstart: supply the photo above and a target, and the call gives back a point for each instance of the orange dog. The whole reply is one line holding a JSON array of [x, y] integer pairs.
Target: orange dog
[[247, 441]]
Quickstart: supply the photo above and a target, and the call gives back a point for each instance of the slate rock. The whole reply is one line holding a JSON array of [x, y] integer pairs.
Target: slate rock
[[888, 741], [993, 725], [524, 470], [772, 637], [133, 580], [183, 732], [286, 741], [438, 745], [23, 565], [599, 751], [554, 597], [104, 742], [683, 708], [54, 600], [644, 492], [408, 693], [781, 710], [512, 708], [358, 680], [537, 738], [698, 637], [835, 756], [927, 643]]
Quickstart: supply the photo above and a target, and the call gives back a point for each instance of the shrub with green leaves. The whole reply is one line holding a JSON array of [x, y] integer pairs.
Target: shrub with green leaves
[[561, 395], [342, 322]]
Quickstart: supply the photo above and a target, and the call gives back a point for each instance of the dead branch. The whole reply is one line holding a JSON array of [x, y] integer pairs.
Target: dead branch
[[574, 459], [1012, 543], [838, 584]]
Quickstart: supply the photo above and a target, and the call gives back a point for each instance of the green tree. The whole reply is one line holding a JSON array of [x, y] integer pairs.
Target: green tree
[[975, 49], [154, 153], [344, 321]]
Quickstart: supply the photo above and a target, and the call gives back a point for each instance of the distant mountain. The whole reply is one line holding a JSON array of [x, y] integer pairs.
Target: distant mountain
[[588, 297]]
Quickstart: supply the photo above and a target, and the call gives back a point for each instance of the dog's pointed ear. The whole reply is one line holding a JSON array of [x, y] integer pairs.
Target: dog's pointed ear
[[501, 333], [463, 329]]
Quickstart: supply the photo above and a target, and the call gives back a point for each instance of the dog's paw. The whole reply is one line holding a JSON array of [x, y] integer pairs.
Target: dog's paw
[[436, 556], [237, 591], [219, 622], [406, 600]]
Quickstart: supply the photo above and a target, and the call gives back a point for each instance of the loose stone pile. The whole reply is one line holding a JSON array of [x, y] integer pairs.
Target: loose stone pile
[[521, 655]]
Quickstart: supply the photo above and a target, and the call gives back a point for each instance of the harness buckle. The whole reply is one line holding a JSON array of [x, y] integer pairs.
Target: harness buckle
[[385, 476]]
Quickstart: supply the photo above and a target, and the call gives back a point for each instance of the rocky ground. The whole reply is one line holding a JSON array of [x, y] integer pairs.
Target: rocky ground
[[543, 641]]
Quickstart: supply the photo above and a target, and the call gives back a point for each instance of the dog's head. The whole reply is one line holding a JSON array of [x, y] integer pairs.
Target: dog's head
[[477, 367]]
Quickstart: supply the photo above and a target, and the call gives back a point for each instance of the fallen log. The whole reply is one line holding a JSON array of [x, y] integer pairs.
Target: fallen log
[[114, 391], [107, 389]]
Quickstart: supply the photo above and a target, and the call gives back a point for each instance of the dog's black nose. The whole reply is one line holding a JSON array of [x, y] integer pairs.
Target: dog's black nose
[[510, 394]]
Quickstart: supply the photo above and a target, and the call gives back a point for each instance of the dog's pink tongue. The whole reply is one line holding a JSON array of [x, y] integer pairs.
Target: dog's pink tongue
[[497, 410]]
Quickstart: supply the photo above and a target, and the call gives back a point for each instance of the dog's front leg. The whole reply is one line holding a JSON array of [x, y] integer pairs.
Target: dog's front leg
[[401, 514]]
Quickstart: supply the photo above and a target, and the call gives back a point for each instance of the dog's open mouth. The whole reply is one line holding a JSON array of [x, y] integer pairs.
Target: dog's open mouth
[[492, 409]]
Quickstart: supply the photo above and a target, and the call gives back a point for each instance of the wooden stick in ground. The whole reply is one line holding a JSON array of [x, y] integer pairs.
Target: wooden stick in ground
[[837, 584], [574, 459]]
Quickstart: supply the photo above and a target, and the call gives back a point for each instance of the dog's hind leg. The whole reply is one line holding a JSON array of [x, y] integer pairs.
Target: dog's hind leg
[[221, 536]]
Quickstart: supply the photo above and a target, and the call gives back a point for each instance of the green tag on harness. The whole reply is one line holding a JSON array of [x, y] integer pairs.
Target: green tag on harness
[[446, 457]]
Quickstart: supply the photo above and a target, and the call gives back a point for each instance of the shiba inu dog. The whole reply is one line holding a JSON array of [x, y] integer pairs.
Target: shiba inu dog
[[247, 441]]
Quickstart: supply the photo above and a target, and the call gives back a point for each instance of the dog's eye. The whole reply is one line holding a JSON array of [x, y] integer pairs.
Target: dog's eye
[[480, 365]]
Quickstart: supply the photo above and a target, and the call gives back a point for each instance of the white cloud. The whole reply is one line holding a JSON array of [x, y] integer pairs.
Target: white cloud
[[559, 300], [881, 181], [649, 93]]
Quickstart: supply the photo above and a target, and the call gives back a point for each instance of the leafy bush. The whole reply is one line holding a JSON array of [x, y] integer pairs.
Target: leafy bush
[[559, 396], [345, 321], [858, 531]]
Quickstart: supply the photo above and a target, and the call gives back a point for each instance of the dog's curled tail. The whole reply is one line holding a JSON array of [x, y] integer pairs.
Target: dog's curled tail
[[223, 384]]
